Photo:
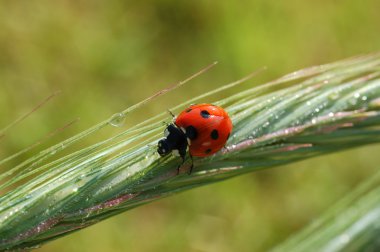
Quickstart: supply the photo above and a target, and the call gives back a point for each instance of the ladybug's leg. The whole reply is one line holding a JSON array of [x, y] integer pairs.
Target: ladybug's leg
[[179, 166], [182, 154], [192, 164]]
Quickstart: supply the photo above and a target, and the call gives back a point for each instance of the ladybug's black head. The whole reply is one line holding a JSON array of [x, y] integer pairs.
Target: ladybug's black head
[[175, 139], [163, 148]]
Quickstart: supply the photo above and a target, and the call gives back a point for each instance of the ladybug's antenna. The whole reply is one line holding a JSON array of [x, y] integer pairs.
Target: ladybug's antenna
[[171, 113]]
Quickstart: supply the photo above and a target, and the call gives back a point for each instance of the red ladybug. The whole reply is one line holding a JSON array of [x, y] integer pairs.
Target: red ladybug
[[203, 128]]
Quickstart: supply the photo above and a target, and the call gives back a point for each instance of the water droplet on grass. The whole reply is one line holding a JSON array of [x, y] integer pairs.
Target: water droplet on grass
[[334, 96], [353, 101], [117, 120], [344, 238], [34, 247]]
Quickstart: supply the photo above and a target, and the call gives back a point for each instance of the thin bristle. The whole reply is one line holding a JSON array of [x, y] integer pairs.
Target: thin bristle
[[27, 114]]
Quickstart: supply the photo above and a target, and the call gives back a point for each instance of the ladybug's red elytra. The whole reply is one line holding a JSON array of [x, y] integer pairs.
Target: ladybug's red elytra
[[202, 128]]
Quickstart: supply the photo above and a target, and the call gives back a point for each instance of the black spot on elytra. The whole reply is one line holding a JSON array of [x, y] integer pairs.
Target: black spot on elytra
[[214, 134], [205, 114], [208, 151], [191, 132]]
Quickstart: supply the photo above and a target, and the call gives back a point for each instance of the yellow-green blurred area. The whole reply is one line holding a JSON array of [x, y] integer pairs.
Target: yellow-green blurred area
[[107, 55]]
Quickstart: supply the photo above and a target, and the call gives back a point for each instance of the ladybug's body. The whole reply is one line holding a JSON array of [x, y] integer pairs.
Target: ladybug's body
[[207, 127], [203, 128]]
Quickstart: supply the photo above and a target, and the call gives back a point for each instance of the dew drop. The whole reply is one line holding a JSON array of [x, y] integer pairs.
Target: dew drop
[[34, 247], [353, 101], [334, 96], [344, 238], [117, 120]]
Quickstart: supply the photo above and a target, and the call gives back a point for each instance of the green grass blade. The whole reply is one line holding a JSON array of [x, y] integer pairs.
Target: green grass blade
[[351, 225], [307, 113]]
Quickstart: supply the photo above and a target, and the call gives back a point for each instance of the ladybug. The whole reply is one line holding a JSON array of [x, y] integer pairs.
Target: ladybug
[[203, 129]]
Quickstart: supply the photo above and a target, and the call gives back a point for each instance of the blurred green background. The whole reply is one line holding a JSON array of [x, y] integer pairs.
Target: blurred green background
[[108, 55]]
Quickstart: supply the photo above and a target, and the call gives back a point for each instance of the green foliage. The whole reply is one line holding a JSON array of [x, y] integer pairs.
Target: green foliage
[[307, 113], [351, 225]]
